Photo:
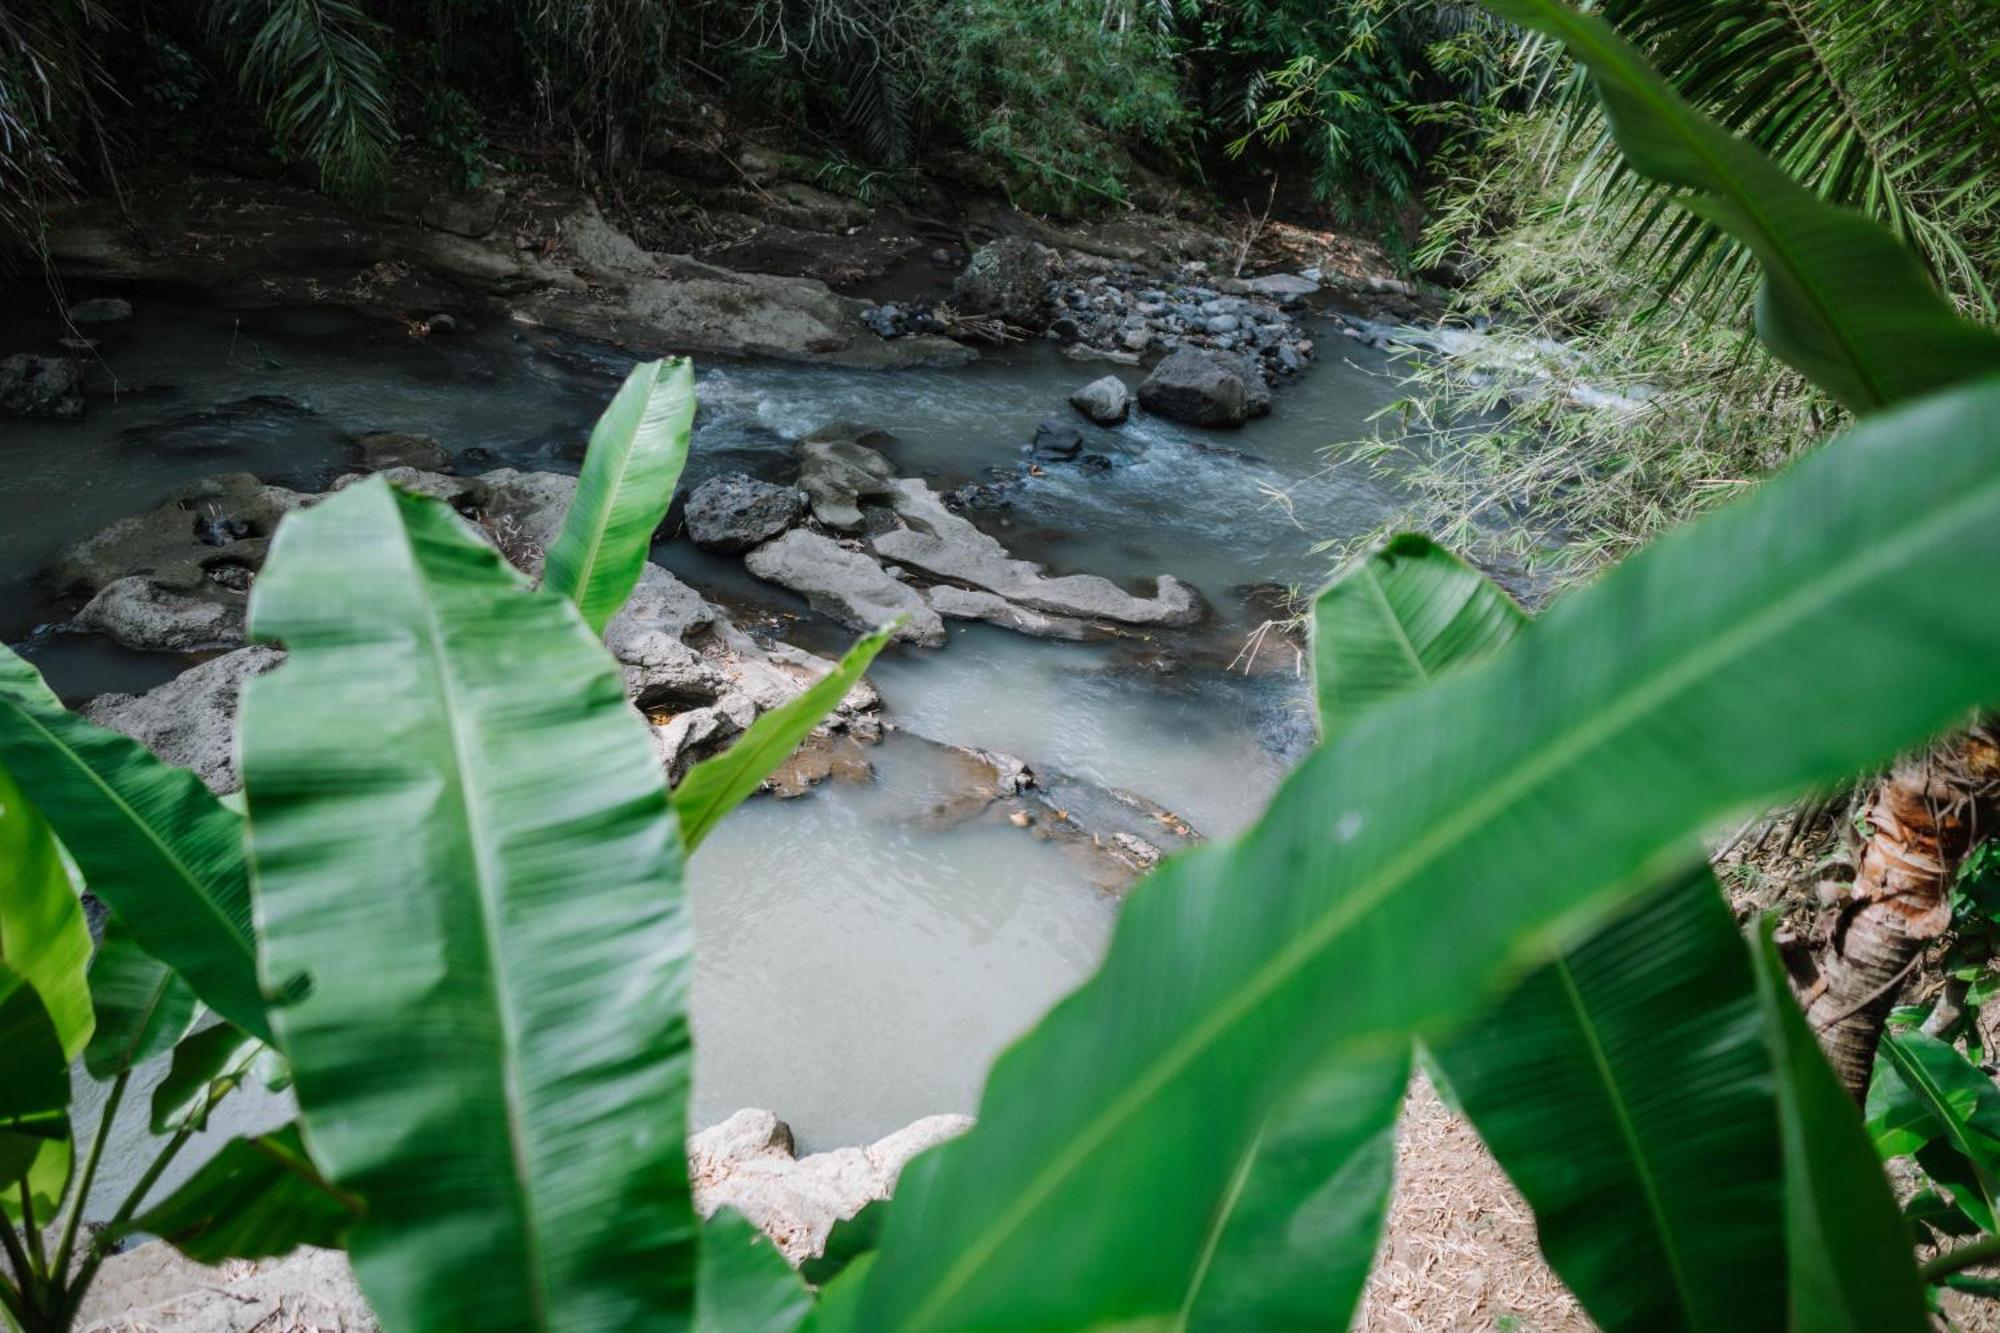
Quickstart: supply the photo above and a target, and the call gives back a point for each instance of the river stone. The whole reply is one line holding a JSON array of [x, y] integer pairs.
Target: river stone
[[733, 513], [1056, 442], [190, 722], [1007, 279], [387, 449], [1104, 400], [138, 613], [215, 523], [971, 604], [1281, 286], [846, 585], [949, 548], [1205, 388], [838, 470], [747, 1163], [100, 310], [40, 386]]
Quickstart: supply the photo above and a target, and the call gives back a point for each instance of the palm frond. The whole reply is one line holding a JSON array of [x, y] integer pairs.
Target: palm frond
[[316, 67], [1889, 106]]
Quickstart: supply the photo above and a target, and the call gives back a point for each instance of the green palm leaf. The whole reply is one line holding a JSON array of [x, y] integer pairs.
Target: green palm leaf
[[1844, 1239], [1657, 1200], [1407, 868], [43, 936], [745, 1283], [152, 842], [633, 463], [1842, 301], [716, 786], [469, 878], [316, 66]]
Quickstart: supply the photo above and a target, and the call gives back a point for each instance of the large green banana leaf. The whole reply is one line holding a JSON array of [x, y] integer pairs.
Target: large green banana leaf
[[34, 1102], [142, 1008], [470, 878], [1945, 1110], [43, 936], [1627, 1089], [634, 461], [716, 786], [1397, 621], [1292, 1245], [255, 1198], [34, 1077], [1658, 1197], [1846, 1246], [1842, 300], [746, 1286], [151, 841], [1404, 871]]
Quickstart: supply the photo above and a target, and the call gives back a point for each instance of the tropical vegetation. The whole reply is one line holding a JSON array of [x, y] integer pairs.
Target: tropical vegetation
[[1491, 867]]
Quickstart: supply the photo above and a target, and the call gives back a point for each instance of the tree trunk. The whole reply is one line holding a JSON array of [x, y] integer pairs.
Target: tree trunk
[[1924, 817]]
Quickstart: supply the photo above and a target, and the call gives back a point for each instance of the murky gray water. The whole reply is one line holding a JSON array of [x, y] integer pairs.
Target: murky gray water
[[856, 970]]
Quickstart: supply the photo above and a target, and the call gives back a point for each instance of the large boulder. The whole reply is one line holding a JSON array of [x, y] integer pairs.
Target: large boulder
[[383, 450], [190, 722], [100, 310], [732, 512], [1205, 388], [1056, 442], [956, 603], [839, 469], [1104, 400], [40, 386], [177, 578], [747, 1163], [846, 585], [948, 548], [1007, 279]]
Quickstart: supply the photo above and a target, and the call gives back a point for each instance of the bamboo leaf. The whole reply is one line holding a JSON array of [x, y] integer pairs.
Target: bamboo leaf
[[470, 880], [152, 842], [634, 461], [1842, 300], [43, 936], [1846, 1246], [256, 1198], [718, 785], [1404, 871]]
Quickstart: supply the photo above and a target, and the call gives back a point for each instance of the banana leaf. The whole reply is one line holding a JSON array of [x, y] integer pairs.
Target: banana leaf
[[255, 1198], [206, 1067], [43, 936], [142, 1008], [1928, 1100], [634, 461], [151, 841], [1847, 1248], [1842, 300], [469, 889], [745, 1283], [34, 1102], [718, 785], [1405, 871], [1658, 1198]]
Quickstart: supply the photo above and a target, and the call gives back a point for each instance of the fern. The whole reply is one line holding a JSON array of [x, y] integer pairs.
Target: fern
[[316, 68]]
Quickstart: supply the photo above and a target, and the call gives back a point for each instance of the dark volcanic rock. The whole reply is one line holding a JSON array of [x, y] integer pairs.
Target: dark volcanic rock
[[1205, 388], [733, 512], [1056, 442], [1104, 400], [1007, 278], [387, 449], [40, 386]]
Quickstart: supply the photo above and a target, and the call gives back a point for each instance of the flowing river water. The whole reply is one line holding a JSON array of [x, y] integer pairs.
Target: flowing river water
[[857, 968]]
